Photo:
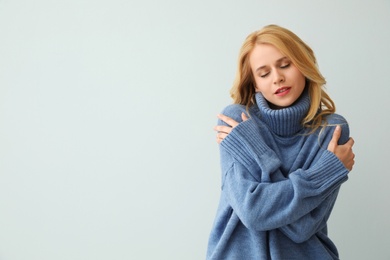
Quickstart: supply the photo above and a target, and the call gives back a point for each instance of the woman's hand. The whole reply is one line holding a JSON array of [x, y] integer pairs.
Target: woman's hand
[[223, 130], [343, 152]]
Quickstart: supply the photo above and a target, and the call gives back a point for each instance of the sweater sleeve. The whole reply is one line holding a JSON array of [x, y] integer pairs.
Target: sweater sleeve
[[305, 227], [264, 205]]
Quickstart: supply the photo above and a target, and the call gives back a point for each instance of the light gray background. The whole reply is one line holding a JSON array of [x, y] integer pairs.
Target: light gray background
[[107, 108]]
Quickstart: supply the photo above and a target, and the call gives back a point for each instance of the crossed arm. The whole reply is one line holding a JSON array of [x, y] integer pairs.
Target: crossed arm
[[343, 152], [301, 228]]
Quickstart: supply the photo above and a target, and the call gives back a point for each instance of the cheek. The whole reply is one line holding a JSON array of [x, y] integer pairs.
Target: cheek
[[261, 84], [258, 85], [298, 77], [302, 80]]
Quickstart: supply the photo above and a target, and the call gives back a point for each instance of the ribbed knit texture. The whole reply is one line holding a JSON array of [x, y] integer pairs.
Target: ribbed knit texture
[[279, 186], [285, 121]]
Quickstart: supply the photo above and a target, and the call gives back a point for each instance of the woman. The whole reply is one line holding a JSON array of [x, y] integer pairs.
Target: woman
[[284, 163]]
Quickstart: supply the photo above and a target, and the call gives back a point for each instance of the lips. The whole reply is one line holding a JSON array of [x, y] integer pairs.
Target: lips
[[282, 90]]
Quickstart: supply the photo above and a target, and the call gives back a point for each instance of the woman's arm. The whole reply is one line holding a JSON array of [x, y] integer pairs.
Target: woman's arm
[[343, 152], [305, 227], [224, 129], [300, 199], [265, 206], [314, 221]]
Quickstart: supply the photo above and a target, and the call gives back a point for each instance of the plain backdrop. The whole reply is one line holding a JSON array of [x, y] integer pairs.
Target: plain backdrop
[[107, 108]]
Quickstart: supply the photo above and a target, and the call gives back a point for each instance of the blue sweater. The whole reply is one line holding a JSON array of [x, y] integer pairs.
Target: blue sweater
[[279, 185]]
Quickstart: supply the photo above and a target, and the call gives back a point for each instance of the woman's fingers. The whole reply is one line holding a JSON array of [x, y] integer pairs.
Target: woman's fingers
[[220, 137], [223, 129], [228, 120], [335, 138], [244, 117], [343, 152]]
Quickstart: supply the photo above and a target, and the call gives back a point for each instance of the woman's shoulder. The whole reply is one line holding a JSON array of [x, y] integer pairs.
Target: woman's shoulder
[[234, 111], [333, 120], [336, 119]]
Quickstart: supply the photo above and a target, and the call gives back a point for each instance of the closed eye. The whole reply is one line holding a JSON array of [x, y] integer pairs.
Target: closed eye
[[285, 66], [264, 75]]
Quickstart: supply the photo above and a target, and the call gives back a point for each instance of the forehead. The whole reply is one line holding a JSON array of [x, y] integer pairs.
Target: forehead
[[264, 54]]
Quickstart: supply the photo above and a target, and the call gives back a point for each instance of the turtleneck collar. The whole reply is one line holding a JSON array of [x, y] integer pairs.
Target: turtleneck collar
[[285, 121]]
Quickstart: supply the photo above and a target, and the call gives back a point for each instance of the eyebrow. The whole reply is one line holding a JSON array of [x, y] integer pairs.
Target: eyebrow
[[278, 61]]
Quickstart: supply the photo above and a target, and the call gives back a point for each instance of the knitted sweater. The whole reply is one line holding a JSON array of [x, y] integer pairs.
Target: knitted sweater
[[279, 185]]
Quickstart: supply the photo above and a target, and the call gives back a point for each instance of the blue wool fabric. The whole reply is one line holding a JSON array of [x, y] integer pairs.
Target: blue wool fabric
[[279, 185]]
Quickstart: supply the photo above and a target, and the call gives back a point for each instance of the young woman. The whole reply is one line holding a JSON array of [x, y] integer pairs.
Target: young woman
[[284, 155]]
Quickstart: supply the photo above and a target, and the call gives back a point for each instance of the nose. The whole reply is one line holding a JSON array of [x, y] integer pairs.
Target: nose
[[278, 77]]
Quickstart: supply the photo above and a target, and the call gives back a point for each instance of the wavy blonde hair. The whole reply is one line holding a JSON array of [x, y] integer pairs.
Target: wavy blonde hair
[[301, 55]]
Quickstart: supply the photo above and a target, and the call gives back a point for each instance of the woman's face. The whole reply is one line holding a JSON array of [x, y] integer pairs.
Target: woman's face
[[276, 77]]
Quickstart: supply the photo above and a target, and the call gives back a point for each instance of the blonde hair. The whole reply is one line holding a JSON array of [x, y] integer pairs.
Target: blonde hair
[[301, 55]]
